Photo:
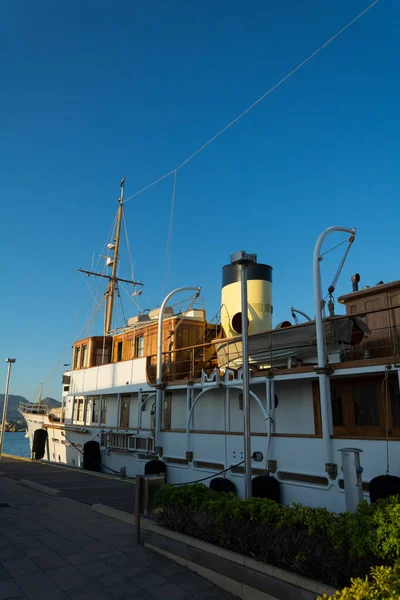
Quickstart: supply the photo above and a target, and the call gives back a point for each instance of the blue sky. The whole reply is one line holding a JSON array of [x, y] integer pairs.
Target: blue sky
[[94, 90]]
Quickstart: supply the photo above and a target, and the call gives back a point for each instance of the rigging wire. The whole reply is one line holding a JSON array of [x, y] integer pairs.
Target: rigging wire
[[333, 248], [254, 104], [235, 120], [335, 279], [84, 277], [124, 319], [94, 317], [108, 239], [131, 298], [169, 239], [341, 265], [95, 461], [210, 476], [128, 247], [87, 324]]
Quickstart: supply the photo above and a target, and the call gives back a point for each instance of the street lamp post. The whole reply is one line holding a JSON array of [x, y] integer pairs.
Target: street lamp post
[[10, 361]]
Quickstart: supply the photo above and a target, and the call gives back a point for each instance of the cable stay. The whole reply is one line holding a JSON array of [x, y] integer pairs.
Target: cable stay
[[332, 287]]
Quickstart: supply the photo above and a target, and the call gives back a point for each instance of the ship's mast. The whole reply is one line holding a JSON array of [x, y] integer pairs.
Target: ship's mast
[[112, 261], [110, 292]]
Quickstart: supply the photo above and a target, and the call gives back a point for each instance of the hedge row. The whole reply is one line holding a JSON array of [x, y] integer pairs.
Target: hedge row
[[313, 542], [382, 584]]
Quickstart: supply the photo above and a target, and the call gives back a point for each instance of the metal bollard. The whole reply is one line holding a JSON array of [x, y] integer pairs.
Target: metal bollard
[[353, 490]]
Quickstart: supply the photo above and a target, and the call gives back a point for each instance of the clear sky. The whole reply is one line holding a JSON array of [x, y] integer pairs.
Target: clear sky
[[94, 90]]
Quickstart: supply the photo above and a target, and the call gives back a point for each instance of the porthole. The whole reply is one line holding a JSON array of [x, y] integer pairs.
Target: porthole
[[237, 322]]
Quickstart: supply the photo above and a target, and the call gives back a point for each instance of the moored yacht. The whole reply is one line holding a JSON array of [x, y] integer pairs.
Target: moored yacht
[[169, 388]]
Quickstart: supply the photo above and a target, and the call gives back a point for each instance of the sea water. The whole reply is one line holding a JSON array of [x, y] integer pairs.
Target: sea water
[[17, 444]]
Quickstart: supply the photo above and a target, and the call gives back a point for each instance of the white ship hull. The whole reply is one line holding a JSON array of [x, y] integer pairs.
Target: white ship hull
[[201, 442]]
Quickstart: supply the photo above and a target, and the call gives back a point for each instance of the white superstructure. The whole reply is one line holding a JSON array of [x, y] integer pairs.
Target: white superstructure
[[201, 418]]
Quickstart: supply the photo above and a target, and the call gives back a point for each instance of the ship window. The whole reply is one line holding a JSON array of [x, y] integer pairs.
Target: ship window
[[119, 351], [395, 402], [104, 411], [75, 409], [366, 410], [84, 355], [81, 405], [337, 407], [359, 407], [95, 409], [139, 346], [77, 357]]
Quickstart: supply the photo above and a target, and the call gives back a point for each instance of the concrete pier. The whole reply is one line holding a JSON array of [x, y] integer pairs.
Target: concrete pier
[[56, 547]]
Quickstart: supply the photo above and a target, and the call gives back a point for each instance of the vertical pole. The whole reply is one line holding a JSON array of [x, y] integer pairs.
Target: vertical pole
[[111, 288], [138, 506], [118, 411], [48, 446], [139, 411], [188, 402], [10, 361], [246, 397], [269, 401]]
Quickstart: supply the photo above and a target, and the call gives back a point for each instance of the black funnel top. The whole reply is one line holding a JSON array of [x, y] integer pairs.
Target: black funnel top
[[231, 273]]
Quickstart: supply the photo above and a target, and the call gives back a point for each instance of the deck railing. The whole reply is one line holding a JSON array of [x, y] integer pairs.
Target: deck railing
[[36, 409], [381, 342], [126, 441]]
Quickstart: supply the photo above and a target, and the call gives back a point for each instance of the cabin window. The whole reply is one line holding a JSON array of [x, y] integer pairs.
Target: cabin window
[[139, 346], [119, 351], [95, 409], [104, 411], [77, 357], [84, 355], [124, 414], [337, 407], [359, 407], [366, 410], [75, 418], [81, 407]]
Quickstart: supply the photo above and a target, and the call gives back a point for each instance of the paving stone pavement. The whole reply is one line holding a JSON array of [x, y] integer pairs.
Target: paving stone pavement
[[59, 549]]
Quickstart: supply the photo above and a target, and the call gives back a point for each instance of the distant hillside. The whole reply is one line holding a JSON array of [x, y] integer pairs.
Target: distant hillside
[[14, 402]]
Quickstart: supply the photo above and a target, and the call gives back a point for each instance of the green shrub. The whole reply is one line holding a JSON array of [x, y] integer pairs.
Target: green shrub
[[374, 529], [313, 542], [382, 584]]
